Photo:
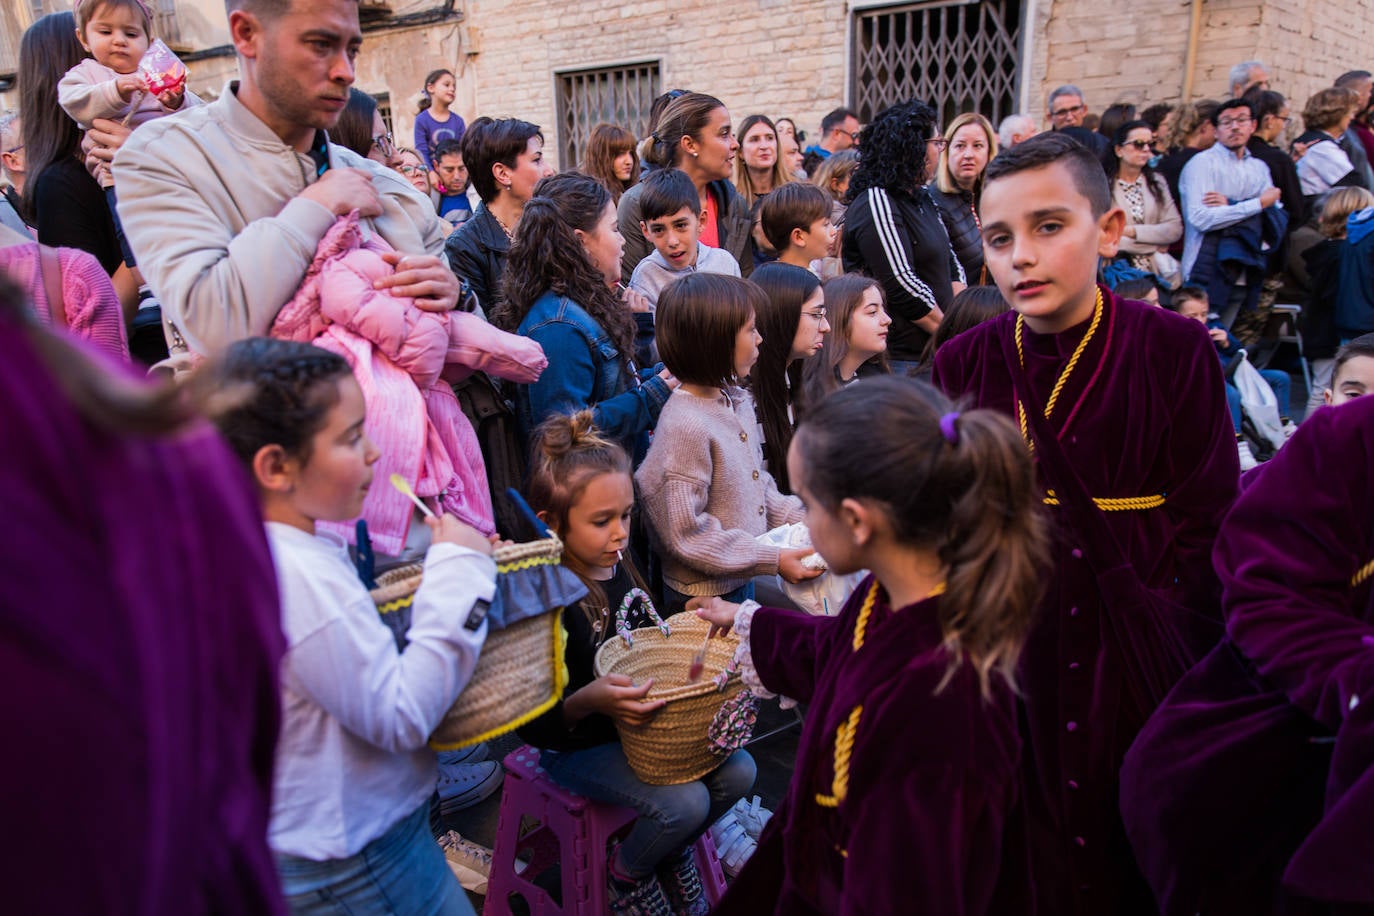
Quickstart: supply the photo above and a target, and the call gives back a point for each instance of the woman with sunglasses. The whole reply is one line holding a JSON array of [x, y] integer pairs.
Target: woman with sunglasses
[[1153, 222], [893, 231]]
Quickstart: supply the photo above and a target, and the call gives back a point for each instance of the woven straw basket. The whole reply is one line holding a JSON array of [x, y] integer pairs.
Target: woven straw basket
[[521, 671], [673, 747]]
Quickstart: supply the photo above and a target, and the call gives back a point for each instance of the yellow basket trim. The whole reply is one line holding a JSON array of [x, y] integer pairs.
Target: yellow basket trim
[[392, 607], [560, 682], [527, 563], [1362, 574]]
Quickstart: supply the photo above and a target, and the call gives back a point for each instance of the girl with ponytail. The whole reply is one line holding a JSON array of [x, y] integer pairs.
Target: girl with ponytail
[[905, 794], [560, 290], [580, 486]]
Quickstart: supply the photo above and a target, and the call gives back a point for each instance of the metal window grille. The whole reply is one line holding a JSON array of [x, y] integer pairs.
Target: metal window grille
[[383, 100], [617, 95], [956, 55], [167, 25]]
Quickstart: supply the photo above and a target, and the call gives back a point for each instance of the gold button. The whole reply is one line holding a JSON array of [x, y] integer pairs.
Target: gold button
[[744, 437], [756, 475]]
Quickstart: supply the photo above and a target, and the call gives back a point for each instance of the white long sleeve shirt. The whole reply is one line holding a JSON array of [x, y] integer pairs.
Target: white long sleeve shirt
[[352, 760], [1217, 169]]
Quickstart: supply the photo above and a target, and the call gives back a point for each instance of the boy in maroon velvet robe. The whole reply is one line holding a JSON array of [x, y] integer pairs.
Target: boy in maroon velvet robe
[[1133, 397]]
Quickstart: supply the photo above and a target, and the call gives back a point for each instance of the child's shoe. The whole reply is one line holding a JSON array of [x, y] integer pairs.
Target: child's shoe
[[1289, 428], [630, 897], [1247, 457], [682, 883], [733, 843], [752, 815], [470, 862]]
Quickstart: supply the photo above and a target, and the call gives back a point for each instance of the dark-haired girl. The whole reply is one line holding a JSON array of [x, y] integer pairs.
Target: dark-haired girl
[[354, 773], [794, 325], [856, 346], [611, 159], [505, 160], [581, 487], [693, 134], [434, 122], [1152, 219], [705, 492], [893, 231], [905, 797], [560, 290]]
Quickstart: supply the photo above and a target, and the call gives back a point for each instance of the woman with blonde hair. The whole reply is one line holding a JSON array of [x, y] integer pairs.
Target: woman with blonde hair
[[971, 143], [611, 159], [759, 168]]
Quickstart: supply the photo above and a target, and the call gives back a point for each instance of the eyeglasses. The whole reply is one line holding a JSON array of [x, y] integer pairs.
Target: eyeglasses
[[939, 143], [1138, 144], [15, 149], [817, 316], [1065, 112], [384, 143], [410, 169], [1226, 123], [853, 135]]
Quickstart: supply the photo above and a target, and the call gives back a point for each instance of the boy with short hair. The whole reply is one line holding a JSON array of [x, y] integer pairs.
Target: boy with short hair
[[795, 219], [671, 218], [1124, 405], [454, 206], [1353, 376], [1191, 302]]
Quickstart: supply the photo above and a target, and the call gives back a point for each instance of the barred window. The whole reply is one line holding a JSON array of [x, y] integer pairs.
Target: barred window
[[619, 95], [956, 55], [383, 100]]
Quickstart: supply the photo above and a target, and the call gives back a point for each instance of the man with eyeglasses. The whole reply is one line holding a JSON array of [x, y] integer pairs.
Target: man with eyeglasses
[[839, 131], [1231, 213], [12, 165], [1066, 111]]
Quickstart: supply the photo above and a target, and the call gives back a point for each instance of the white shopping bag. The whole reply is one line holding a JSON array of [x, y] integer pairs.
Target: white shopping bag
[[1258, 401], [822, 596]]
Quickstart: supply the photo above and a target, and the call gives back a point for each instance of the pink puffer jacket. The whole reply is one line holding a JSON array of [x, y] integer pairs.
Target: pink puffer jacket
[[398, 353]]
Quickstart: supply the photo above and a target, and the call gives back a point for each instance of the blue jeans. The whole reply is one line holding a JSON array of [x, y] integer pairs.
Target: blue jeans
[[677, 602], [670, 817], [401, 873]]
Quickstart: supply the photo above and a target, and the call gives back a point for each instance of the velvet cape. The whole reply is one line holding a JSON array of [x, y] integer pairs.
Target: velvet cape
[[1251, 788]]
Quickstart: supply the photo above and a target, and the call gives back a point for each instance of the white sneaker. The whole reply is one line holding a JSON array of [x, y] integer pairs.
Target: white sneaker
[[467, 784], [733, 843], [752, 815], [470, 862], [1289, 428], [1247, 457]]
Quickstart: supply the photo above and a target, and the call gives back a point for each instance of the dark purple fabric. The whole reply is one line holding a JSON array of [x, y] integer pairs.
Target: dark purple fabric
[[931, 822], [1143, 413], [139, 644], [1236, 782]]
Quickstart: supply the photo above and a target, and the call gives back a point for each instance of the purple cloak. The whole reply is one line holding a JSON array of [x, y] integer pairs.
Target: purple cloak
[[926, 818], [139, 643], [1142, 414]]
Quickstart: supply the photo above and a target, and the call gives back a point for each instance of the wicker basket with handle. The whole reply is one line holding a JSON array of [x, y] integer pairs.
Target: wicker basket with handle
[[674, 747]]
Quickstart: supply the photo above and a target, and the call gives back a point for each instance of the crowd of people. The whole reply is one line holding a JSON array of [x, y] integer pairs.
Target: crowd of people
[[1010, 378]]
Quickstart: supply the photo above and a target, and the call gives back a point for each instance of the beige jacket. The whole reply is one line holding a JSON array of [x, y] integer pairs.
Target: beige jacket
[[208, 201], [1162, 225], [706, 496]]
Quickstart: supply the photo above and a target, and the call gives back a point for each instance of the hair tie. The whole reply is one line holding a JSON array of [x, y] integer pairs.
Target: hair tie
[[948, 429]]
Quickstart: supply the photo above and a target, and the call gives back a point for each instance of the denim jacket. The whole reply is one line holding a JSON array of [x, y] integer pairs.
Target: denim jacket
[[585, 370]]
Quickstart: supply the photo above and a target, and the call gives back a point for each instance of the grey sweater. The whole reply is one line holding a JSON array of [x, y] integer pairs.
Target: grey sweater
[[706, 495], [654, 273]]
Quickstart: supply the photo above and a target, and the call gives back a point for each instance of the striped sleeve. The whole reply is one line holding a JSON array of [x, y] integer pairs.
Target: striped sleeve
[[886, 251]]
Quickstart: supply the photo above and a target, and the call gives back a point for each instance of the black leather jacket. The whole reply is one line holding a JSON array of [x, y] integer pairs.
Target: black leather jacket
[[956, 211], [477, 253]]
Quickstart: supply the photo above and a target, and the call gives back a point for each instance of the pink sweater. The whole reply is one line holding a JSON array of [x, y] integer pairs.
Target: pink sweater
[[398, 352], [88, 299]]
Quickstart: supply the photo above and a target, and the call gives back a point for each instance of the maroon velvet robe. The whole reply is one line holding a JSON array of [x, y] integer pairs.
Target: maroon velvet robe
[[1242, 802], [1142, 414], [930, 821]]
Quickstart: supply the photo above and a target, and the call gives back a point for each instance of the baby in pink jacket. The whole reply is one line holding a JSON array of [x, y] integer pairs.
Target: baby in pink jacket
[[405, 360]]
